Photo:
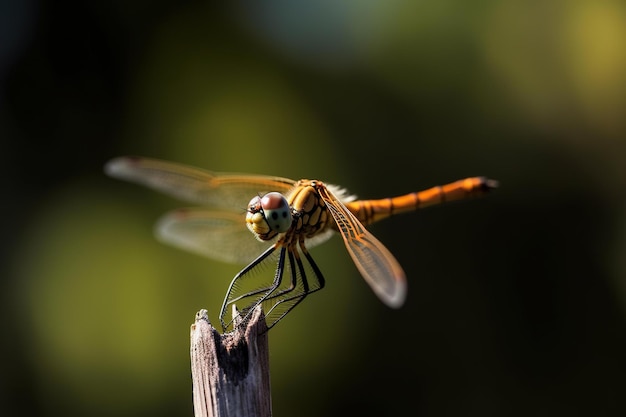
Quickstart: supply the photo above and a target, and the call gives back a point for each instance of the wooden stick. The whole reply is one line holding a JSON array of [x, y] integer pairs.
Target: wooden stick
[[230, 372]]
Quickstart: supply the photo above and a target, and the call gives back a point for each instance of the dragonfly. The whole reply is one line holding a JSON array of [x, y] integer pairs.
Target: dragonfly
[[286, 218]]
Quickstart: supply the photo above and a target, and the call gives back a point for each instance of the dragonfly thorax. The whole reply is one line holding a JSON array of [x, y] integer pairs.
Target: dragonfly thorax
[[310, 212]]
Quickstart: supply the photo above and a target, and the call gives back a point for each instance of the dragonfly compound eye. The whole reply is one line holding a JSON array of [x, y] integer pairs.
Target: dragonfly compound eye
[[254, 206], [277, 212]]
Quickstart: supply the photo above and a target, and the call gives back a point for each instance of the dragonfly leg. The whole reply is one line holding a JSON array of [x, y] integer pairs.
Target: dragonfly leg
[[232, 298], [271, 298], [289, 301], [276, 301]]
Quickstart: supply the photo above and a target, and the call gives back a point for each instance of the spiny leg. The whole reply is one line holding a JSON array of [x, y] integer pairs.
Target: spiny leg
[[298, 297], [264, 290], [293, 281], [272, 294]]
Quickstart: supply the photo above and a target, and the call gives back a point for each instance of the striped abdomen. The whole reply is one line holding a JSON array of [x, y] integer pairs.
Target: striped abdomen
[[370, 211]]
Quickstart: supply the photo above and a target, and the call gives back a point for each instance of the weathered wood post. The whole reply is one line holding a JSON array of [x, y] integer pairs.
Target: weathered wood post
[[230, 372]]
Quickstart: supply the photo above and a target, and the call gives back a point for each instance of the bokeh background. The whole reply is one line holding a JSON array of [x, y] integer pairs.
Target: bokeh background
[[517, 302]]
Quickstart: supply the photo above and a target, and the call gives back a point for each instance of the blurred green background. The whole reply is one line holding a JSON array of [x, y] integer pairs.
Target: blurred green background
[[517, 302]]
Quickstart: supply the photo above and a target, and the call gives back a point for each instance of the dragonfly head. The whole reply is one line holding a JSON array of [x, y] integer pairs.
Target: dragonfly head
[[268, 215]]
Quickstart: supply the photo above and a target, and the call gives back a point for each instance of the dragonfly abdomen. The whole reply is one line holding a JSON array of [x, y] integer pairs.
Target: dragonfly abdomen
[[370, 211]]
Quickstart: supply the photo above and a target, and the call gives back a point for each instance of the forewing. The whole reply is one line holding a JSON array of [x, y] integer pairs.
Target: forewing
[[377, 265], [216, 234], [195, 185]]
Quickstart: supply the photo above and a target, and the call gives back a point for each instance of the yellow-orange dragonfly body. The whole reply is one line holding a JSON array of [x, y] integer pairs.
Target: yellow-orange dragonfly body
[[287, 218]]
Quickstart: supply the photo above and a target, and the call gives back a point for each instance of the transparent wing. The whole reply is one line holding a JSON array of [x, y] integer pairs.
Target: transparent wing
[[195, 185], [216, 234], [376, 264]]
